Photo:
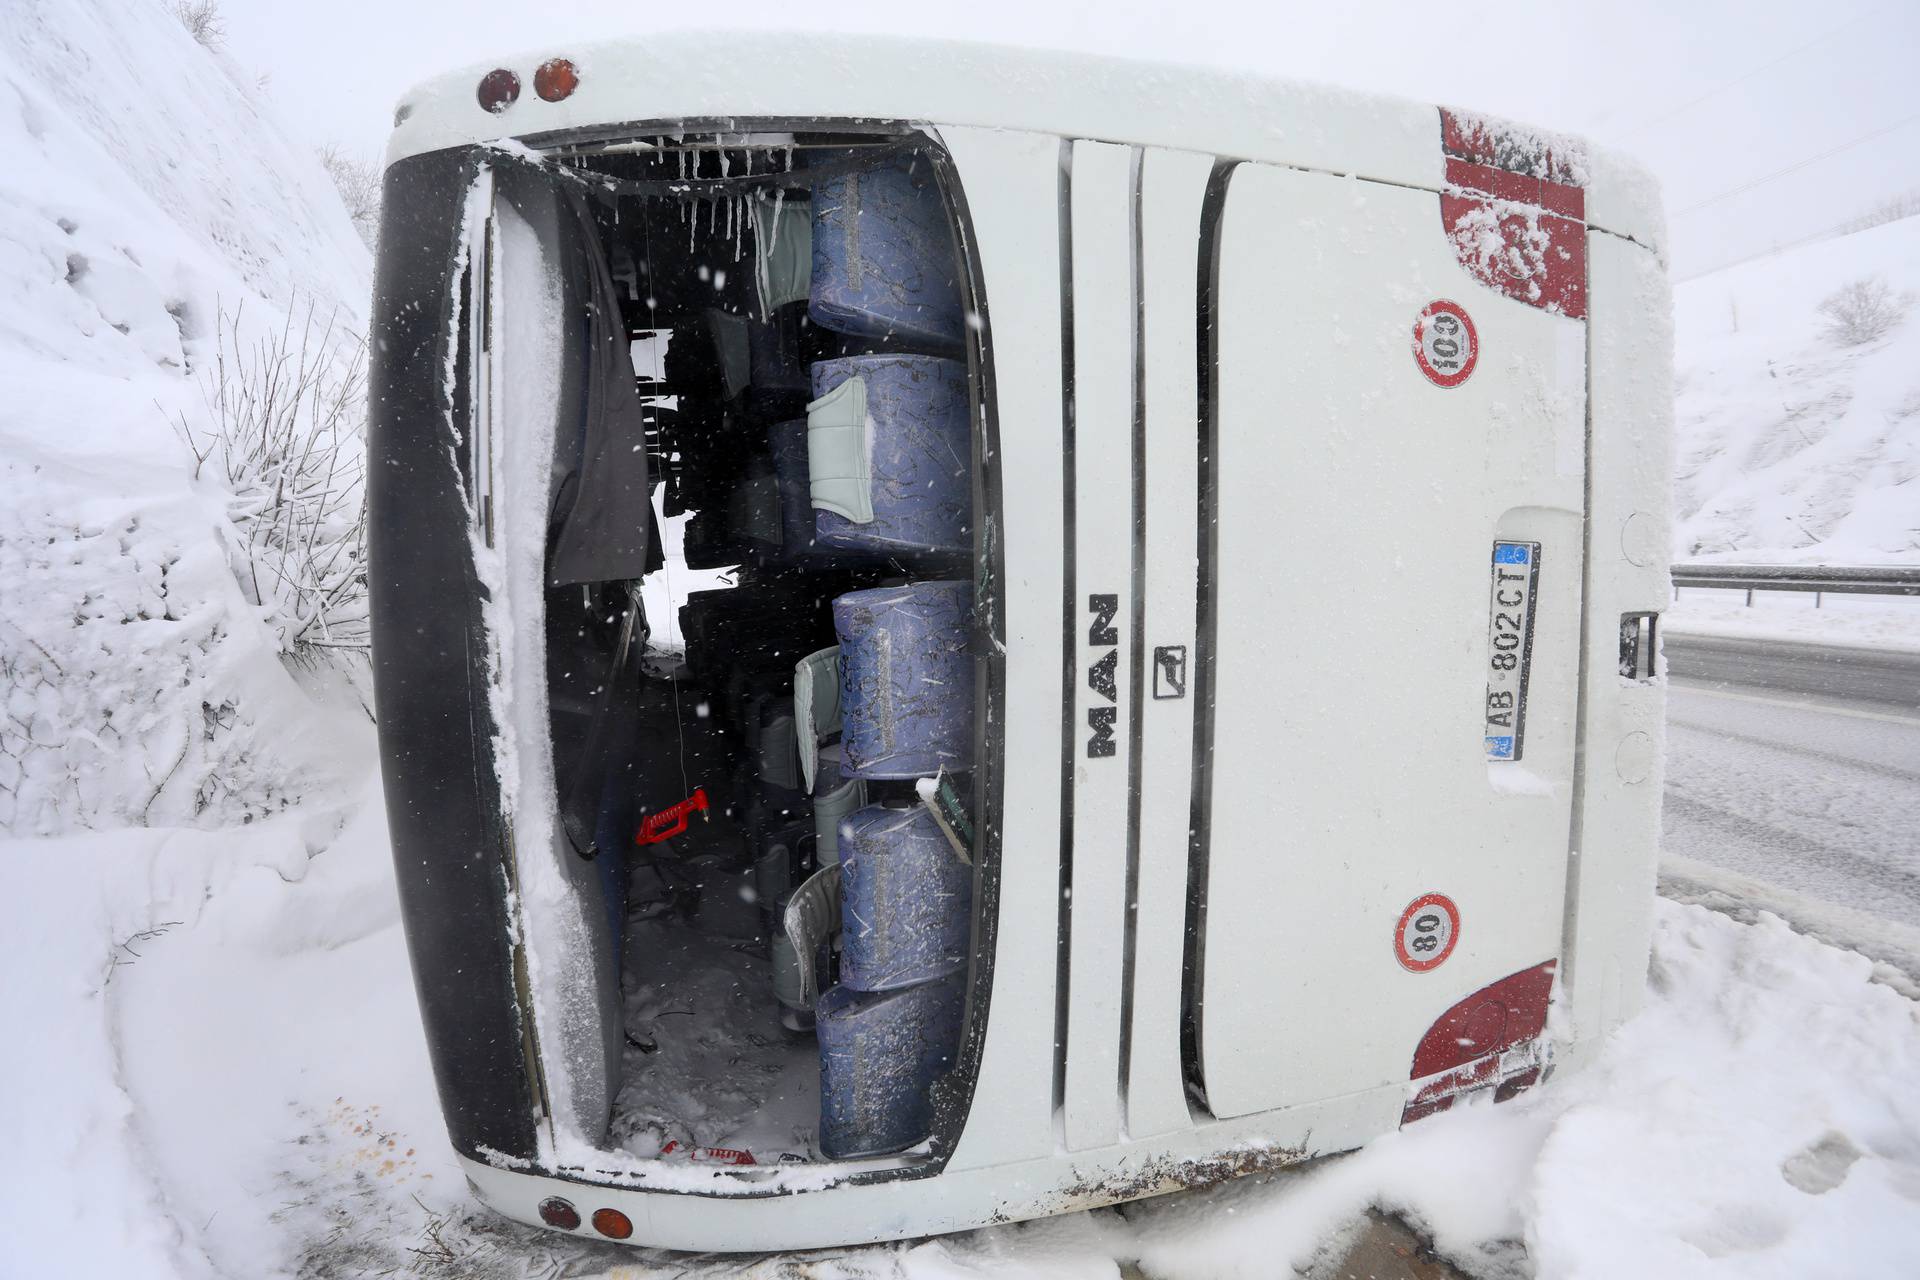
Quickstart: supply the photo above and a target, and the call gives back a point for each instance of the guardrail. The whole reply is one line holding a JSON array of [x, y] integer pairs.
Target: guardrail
[[1879, 580]]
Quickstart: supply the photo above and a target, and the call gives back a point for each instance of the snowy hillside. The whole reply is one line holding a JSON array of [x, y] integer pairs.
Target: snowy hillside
[[1792, 447], [144, 194]]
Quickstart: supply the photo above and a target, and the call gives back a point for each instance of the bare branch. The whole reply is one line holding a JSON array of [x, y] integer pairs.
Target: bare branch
[[1863, 311], [203, 21], [284, 437]]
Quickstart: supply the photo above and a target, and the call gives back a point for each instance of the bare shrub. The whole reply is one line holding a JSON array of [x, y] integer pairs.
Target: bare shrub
[[284, 439], [359, 185], [1862, 311], [203, 21]]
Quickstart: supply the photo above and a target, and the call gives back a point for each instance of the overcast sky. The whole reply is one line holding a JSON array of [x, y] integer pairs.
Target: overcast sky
[[1767, 120]]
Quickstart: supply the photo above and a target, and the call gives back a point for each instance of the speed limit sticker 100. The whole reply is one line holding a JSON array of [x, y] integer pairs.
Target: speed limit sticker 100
[[1426, 933], [1445, 343]]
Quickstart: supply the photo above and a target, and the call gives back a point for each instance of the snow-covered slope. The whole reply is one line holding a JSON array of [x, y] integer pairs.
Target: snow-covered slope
[[145, 190], [1792, 447]]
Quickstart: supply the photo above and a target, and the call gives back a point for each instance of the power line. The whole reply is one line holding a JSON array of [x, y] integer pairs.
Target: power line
[[1716, 91], [1795, 167]]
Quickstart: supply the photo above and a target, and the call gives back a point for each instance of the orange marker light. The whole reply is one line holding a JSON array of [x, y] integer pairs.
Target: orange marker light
[[612, 1224], [556, 79]]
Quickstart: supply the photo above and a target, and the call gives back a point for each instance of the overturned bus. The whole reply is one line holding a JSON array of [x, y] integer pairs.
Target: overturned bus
[[989, 633]]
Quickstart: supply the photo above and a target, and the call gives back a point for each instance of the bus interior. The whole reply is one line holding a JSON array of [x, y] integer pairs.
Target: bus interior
[[760, 675]]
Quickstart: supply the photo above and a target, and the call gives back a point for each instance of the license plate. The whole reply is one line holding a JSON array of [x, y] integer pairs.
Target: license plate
[[1516, 575]]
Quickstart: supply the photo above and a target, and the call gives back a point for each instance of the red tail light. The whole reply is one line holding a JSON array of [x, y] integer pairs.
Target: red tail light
[[556, 1212], [499, 89], [1489, 1040], [555, 79]]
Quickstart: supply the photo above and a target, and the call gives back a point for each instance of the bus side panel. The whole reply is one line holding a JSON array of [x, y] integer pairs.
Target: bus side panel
[[1012, 181], [429, 666], [1357, 502], [1099, 619], [1172, 188], [1617, 821]]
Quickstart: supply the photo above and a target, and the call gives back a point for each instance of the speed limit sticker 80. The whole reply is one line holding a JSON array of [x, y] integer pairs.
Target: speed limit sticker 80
[[1426, 933]]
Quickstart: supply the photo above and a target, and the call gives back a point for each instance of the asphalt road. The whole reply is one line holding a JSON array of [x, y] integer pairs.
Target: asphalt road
[[1821, 671], [1798, 764]]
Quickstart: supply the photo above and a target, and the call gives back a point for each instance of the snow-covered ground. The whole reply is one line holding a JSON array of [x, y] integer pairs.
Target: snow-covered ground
[[1792, 617], [216, 1067], [226, 1078]]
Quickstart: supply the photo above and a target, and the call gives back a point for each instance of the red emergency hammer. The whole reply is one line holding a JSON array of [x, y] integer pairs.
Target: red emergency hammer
[[669, 823]]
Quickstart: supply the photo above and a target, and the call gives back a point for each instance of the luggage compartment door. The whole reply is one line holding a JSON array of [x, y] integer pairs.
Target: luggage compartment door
[[1367, 864]]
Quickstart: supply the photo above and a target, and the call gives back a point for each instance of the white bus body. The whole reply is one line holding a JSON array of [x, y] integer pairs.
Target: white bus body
[[1328, 493]]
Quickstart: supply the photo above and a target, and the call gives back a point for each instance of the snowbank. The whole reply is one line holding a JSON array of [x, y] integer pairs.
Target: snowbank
[[1893, 946], [244, 1092], [1756, 1119], [1861, 622], [225, 1048], [144, 188], [1791, 447]]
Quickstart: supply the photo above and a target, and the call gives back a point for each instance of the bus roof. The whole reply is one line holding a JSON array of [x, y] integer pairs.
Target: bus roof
[[704, 81]]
